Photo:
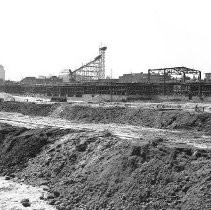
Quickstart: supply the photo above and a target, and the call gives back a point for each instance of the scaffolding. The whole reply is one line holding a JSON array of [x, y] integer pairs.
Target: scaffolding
[[166, 75], [93, 70], [179, 71]]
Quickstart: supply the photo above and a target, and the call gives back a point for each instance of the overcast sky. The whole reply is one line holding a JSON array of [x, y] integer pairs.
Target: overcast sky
[[42, 37]]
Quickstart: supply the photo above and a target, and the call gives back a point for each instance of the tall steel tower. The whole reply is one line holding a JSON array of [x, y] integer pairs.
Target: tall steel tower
[[102, 63], [93, 70]]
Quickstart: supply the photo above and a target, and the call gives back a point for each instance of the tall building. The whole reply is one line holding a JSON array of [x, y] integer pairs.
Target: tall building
[[2, 73]]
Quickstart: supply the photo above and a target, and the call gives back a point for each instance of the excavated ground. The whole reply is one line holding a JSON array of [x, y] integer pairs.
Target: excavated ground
[[88, 169], [171, 119], [28, 108], [155, 118]]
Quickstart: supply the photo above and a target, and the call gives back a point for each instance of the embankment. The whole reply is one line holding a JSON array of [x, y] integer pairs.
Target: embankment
[[28, 108], [97, 170], [166, 119], [171, 119]]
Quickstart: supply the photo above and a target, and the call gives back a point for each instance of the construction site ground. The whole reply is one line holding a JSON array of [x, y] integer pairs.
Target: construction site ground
[[80, 155]]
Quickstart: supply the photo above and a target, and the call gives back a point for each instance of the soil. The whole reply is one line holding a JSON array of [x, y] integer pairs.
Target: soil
[[97, 170], [167, 119], [18, 145], [18, 196], [171, 119], [29, 108], [90, 169]]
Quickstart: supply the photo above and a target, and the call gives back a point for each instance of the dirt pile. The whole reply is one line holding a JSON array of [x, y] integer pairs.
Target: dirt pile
[[96, 170], [172, 119], [18, 145], [29, 108]]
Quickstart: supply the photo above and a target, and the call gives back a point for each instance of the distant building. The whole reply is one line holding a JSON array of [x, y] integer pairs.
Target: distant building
[[208, 77], [65, 78], [142, 78], [28, 80], [2, 73], [134, 78], [37, 81], [157, 78], [41, 77]]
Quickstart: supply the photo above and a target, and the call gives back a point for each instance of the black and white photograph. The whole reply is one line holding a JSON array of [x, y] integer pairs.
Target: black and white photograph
[[105, 105]]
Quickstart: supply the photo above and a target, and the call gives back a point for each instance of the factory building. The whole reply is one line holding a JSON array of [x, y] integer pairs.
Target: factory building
[[142, 78], [2, 73], [134, 78], [208, 77], [37, 81]]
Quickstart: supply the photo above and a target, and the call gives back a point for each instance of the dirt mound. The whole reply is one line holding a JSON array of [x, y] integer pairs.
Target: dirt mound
[[96, 170], [28, 108], [18, 145], [6, 97], [172, 119]]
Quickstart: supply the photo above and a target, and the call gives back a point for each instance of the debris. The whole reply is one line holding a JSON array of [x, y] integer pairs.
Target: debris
[[7, 178], [25, 202]]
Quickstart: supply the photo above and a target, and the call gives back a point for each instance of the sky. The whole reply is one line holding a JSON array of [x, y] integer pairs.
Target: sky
[[43, 37]]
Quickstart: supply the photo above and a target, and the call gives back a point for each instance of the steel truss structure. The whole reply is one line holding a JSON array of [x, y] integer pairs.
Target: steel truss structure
[[183, 71], [93, 70], [125, 89]]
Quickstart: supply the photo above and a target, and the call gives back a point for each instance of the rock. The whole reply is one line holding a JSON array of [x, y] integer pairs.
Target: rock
[[42, 197], [57, 202], [68, 207], [25, 202], [12, 175], [45, 188], [52, 202], [50, 196], [44, 182], [56, 193], [7, 178], [61, 207], [41, 175]]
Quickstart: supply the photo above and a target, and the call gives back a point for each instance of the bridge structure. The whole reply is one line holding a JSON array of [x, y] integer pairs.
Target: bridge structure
[[111, 88]]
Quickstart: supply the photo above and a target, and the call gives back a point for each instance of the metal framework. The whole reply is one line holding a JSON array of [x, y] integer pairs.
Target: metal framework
[[127, 89], [92, 70], [183, 71]]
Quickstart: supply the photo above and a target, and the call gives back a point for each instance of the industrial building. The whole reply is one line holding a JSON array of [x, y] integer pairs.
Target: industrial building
[[133, 78], [40, 81], [208, 77], [90, 79], [2, 73]]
